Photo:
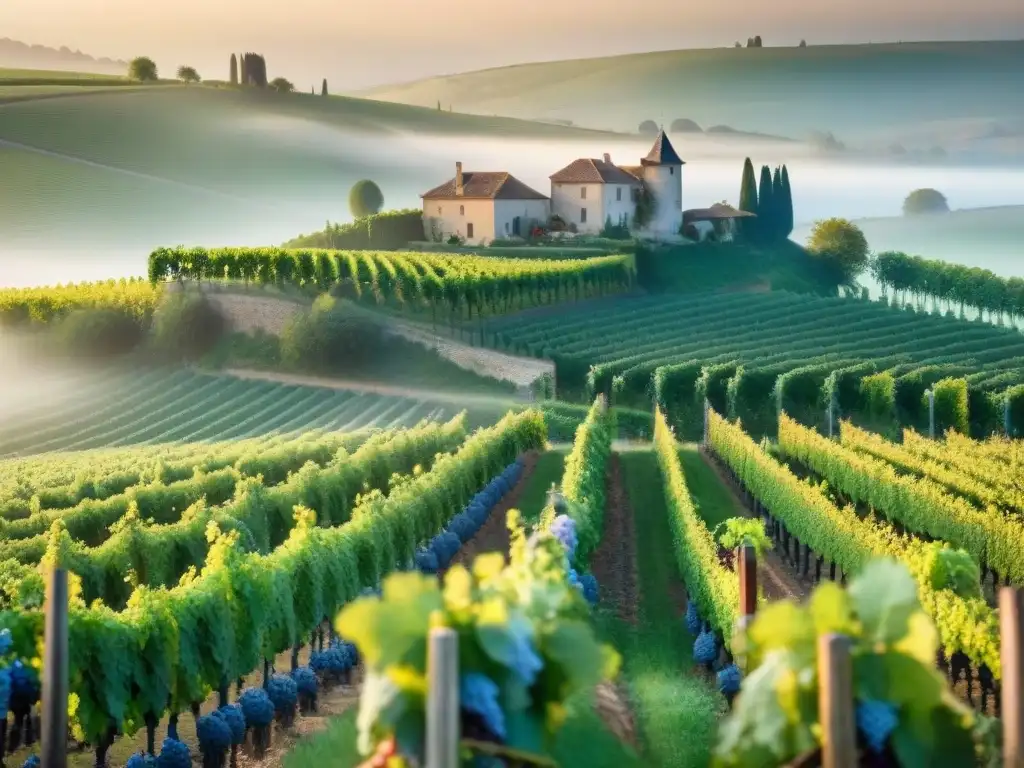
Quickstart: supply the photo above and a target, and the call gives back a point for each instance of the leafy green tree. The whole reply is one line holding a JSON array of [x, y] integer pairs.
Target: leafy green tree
[[233, 74], [842, 248], [765, 207], [323, 88], [282, 85], [922, 201], [142, 69], [188, 74], [365, 199], [748, 201], [787, 196]]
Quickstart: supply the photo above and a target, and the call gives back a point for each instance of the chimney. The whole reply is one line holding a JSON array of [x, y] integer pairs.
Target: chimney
[[459, 189], [607, 158]]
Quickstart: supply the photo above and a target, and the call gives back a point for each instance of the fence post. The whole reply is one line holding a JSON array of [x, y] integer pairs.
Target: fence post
[[55, 672], [707, 418], [1011, 650], [831, 427], [835, 702], [1007, 426], [931, 413], [746, 570], [443, 698]]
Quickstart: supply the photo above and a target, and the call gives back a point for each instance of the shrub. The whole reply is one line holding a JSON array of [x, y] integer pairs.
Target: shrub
[[330, 338], [281, 85], [685, 125], [841, 245], [922, 201], [648, 128], [142, 69], [98, 333], [187, 326], [365, 198]]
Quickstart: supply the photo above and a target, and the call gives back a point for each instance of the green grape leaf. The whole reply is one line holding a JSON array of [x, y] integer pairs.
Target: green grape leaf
[[885, 597], [783, 625], [830, 607], [525, 730], [940, 742], [573, 647]]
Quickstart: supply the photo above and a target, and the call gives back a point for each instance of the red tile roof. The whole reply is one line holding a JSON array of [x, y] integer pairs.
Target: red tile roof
[[486, 185], [589, 171]]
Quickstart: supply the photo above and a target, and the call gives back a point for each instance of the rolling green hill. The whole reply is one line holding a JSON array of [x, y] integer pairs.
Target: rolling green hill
[[786, 91], [139, 167]]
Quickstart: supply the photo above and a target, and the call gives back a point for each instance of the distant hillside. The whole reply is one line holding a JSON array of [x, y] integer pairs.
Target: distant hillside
[[780, 91], [15, 54]]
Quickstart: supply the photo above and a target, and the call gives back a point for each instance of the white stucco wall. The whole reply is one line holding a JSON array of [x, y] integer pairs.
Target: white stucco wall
[[442, 218], [666, 185], [567, 201], [618, 203], [530, 213]]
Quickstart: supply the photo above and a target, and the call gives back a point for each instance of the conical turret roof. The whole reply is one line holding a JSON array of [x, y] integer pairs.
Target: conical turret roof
[[662, 153]]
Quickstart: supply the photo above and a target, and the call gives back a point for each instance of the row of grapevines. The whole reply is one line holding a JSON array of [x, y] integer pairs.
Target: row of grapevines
[[965, 624], [973, 458], [274, 460], [584, 478], [921, 505], [714, 588], [477, 283], [171, 647], [43, 305], [157, 555], [926, 464]]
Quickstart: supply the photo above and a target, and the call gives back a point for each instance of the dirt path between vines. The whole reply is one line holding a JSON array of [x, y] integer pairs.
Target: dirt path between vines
[[777, 581]]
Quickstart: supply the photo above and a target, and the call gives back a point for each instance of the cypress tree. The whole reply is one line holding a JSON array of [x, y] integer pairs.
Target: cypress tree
[[234, 70], [765, 206], [779, 205], [244, 66], [787, 207], [748, 201], [323, 88]]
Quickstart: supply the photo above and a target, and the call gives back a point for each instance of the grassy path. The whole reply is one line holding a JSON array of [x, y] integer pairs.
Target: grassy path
[[676, 709]]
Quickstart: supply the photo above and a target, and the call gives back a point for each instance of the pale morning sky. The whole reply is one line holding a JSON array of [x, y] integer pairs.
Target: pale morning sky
[[359, 43]]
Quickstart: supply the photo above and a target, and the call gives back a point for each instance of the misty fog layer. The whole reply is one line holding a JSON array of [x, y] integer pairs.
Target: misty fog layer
[[91, 210]]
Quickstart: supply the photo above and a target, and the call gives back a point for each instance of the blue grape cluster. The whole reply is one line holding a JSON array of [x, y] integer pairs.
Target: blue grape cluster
[[283, 692], [705, 648], [32, 762], [141, 760], [257, 707], [729, 680], [235, 718], [305, 681], [563, 528], [524, 662], [694, 622], [5, 691], [441, 550], [590, 589], [214, 734], [876, 720], [174, 754], [479, 694], [25, 688], [339, 656]]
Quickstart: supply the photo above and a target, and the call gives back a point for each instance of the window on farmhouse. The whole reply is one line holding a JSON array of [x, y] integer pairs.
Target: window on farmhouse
[[469, 231], [583, 215], [439, 210], [583, 193], [462, 210], [618, 193]]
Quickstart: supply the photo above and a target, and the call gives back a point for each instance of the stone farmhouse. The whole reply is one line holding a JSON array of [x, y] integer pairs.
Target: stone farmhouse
[[481, 206]]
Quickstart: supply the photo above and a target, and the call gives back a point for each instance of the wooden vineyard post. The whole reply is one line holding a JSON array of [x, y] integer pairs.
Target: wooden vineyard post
[[931, 413], [831, 416], [707, 413], [1011, 637], [746, 570], [835, 702], [55, 672], [443, 698], [1007, 425]]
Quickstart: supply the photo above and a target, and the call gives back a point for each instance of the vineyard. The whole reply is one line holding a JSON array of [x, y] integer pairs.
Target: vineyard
[[751, 353]]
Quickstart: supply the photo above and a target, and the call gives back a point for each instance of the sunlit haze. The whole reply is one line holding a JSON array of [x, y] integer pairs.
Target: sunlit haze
[[363, 44]]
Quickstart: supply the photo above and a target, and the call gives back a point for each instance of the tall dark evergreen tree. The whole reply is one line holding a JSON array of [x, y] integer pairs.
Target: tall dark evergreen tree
[[748, 201], [787, 196], [323, 88], [779, 206], [765, 206], [234, 70], [243, 69]]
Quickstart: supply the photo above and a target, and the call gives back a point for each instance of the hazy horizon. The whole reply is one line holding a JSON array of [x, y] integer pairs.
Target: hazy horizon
[[316, 39]]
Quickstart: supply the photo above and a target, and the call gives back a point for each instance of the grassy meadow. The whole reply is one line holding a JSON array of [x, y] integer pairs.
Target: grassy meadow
[[784, 91]]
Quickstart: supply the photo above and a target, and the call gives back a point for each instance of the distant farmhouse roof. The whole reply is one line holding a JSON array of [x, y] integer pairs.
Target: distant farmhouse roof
[[662, 153], [716, 212], [485, 185], [589, 171]]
